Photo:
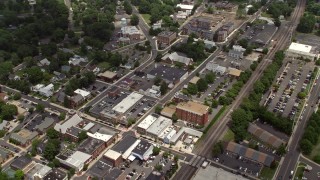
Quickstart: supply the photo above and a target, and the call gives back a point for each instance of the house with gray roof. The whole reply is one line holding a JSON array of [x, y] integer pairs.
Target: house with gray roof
[[24, 137], [45, 124], [4, 155]]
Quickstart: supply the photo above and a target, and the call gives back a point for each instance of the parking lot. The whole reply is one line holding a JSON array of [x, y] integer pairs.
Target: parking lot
[[294, 78], [314, 173]]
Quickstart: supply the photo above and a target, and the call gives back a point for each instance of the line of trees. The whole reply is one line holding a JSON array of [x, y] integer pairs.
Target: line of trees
[[311, 135]]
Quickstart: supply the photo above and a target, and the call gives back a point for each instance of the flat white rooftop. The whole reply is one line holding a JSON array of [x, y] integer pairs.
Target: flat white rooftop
[[185, 6], [211, 172], [300, 47], [127, 102], [147, 122], [159, 126]]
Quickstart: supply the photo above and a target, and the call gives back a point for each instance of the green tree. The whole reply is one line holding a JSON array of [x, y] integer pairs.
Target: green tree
[[20, 117], [306, 24], [17, 96], [156, 151], [210, 77], [217, 149], [35, 75], [163, 88], [302, 95], [277, 22], [214, 103], [306, 146], [202, 85], [8, 111], [19, 175], [175, 118], [158, 109], [53, 134], [127, 7], [40, 108], [62, 116], [82, 136], [265, 51], [192, 89], [2, 133], [281, 150], [134, 20], [51, 149], [158, 167]]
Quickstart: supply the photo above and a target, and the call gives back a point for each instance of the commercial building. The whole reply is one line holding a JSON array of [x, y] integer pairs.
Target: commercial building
[[131, 32], [114, 157], [126, 146], [113, 92], [56, 174], [72, 134], [216, 68], [83, 93], [127, 103], [36, 171], [185, 7], [171, 75], [24, 137], [158, 127], [166, 37], [297, 50], [234, 72], [146, 123], [193, 112], [92, 146], [143, 150], [176, 58], [169, 135], [20, 163], [265, 136], [220, 174], [73, 159], [168, 111], [249, 153], [236, 52], [185, 131], [108, 76], [63, 126]]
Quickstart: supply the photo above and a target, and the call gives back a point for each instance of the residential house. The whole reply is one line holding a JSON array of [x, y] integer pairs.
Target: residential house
[[5, 155], [77, 60], [47, 91], [131, 32], [45, 125], [24, 137], [176, 58], [108, 76], [236, 52], [44, 62], [63, 126]]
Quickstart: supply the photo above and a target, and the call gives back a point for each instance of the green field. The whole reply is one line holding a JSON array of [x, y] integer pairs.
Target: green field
[[299, 172], [228, 136], [146, 17], [267, 173]]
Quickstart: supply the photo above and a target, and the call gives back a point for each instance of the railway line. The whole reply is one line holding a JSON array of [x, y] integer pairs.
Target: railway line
[[282, 37]]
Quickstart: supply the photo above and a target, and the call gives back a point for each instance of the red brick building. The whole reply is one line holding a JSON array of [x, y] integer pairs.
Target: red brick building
[[166, 37], [114, 157], [192, 112]]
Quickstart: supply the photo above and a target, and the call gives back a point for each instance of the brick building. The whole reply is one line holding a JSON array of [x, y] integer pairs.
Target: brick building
[[192, 112], [166, 37]]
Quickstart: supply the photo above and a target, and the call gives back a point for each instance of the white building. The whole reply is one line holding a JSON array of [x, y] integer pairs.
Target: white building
[[63, 126], [100, 136], [159, 126], [157, 25], [146, 123], [175, 57], [297, 50], [216, 68], [76, 60], [168, 136], [127, 102], [83, 93], [77, 160], [46, 91], [143, 150], [185, 7]]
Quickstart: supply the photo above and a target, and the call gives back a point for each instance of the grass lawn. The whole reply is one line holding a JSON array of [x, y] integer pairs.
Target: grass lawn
[[229, 136], [61, 1], [146, 17], [267, 173], [299, 172], [264, 14], [104, 65]]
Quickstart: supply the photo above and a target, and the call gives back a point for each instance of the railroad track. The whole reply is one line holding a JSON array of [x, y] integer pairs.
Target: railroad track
[[282, 36]]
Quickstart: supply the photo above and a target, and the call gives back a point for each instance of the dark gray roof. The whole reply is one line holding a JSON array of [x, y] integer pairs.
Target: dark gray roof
[[65, 68], [168, 73], [142, 147], [155, 176], [90, 145], [55, 174], [21, 162], [74, 131], [77, 98], [124, 144], [47, 122], [100, 168]]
